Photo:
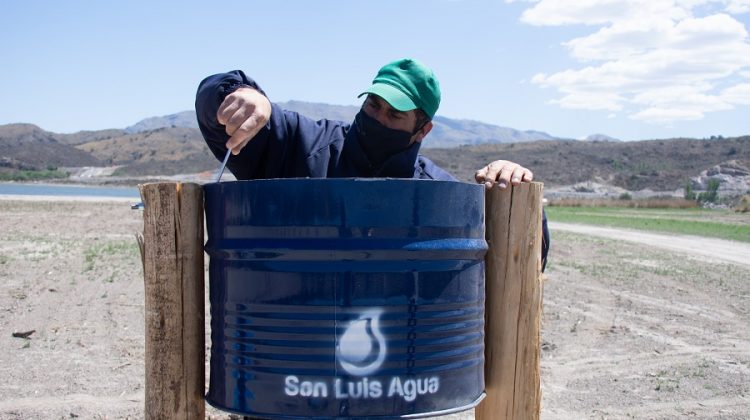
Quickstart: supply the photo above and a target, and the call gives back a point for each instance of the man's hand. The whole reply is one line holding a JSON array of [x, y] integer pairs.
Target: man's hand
[[244, 113], [503, 172]]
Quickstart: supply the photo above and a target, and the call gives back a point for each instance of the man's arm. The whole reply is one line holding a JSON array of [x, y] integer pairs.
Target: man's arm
[[267, 141], [212, 94]]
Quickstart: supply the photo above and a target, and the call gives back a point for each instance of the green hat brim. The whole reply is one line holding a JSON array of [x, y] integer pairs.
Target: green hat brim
[[397, 99]]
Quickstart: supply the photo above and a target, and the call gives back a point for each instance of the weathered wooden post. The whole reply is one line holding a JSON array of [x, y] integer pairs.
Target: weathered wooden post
[[513, 305], [172, 253]]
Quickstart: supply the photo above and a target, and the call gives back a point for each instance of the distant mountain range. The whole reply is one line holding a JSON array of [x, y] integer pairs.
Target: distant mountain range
[[600, 137], [446, 133], [172, 145]]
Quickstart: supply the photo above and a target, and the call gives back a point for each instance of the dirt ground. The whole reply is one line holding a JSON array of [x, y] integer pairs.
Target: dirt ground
[[630, 330], [637, 331]]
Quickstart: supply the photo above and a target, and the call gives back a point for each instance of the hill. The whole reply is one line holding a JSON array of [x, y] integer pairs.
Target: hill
[[82, 137], [28, 147], [163, 151], [660, 165]]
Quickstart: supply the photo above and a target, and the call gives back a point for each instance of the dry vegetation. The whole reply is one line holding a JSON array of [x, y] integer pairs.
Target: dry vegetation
[[164, 151]]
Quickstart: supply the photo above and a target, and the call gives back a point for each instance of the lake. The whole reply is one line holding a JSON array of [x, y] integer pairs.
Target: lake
[[68, 190]]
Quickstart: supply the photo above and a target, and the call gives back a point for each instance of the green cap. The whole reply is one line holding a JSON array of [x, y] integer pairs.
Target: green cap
[[406, 85]]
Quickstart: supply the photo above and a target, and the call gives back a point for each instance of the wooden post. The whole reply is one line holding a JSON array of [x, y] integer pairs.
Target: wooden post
[[513, 304], [172, 254]]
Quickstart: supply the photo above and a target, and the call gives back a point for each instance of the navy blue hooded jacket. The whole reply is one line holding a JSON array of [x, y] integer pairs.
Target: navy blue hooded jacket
[[293, 146]]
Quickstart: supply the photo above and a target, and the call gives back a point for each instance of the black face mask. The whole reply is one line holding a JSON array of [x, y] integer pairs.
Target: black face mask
[[378, 141]]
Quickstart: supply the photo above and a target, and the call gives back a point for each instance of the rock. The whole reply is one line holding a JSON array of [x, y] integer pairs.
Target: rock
[[24, 334], [733, 177]]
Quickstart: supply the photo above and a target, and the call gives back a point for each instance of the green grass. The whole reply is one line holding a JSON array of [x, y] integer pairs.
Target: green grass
[[100, 251], [688, 221], [33, 175]]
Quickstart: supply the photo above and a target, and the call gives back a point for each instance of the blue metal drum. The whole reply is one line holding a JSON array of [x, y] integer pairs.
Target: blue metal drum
[[346, 298]]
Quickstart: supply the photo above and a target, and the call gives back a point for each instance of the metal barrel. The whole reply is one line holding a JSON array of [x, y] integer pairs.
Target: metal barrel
[[337, 298]]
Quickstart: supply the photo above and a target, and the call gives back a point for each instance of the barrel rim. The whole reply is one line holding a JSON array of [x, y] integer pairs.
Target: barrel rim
[[334, 180]]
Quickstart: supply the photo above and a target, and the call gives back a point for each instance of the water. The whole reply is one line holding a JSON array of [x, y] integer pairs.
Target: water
[[68, 190]]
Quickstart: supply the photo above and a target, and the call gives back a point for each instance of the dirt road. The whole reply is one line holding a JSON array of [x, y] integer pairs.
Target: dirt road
[[692, 246]]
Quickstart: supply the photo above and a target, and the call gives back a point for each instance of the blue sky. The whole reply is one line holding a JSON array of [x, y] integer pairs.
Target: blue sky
[[631, 69]]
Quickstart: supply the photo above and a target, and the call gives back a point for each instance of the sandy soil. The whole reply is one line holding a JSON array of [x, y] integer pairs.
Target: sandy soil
[[630, 330]]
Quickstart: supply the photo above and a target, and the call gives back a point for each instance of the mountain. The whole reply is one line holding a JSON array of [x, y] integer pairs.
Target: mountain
[[318, 111], [88, 136], [28, 147], [660, 165], [180, 119], [600, 137], [446, 132], [173, 149], [162, 151]]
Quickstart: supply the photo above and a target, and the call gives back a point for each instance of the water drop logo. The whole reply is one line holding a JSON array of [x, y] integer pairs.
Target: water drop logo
[[361, 348]]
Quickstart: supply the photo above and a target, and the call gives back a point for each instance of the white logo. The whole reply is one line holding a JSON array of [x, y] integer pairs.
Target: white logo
[[361, 351], [361, 348]]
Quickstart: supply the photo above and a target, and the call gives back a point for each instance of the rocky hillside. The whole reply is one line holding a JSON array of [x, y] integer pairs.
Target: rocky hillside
[[660, 165], [163, 151]]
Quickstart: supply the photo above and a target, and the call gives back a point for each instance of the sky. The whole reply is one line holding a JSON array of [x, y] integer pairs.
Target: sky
[[630, 69]]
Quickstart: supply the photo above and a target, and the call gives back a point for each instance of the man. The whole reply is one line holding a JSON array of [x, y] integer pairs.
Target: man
[[383, 141]]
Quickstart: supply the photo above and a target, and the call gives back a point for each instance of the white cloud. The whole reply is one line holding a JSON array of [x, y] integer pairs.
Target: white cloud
[[593, 101], [737, 94], [596, 12], [668, 95], [656, 60], [738, 6], [674, 103], [666, 115], [620, 40]]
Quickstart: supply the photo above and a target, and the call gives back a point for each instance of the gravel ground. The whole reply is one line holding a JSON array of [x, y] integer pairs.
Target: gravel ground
[[630, 329]]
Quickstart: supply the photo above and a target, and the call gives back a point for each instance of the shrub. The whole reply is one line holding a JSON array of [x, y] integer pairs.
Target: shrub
[[744, 205], [711, 194], [689, 193], [32, 175]]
